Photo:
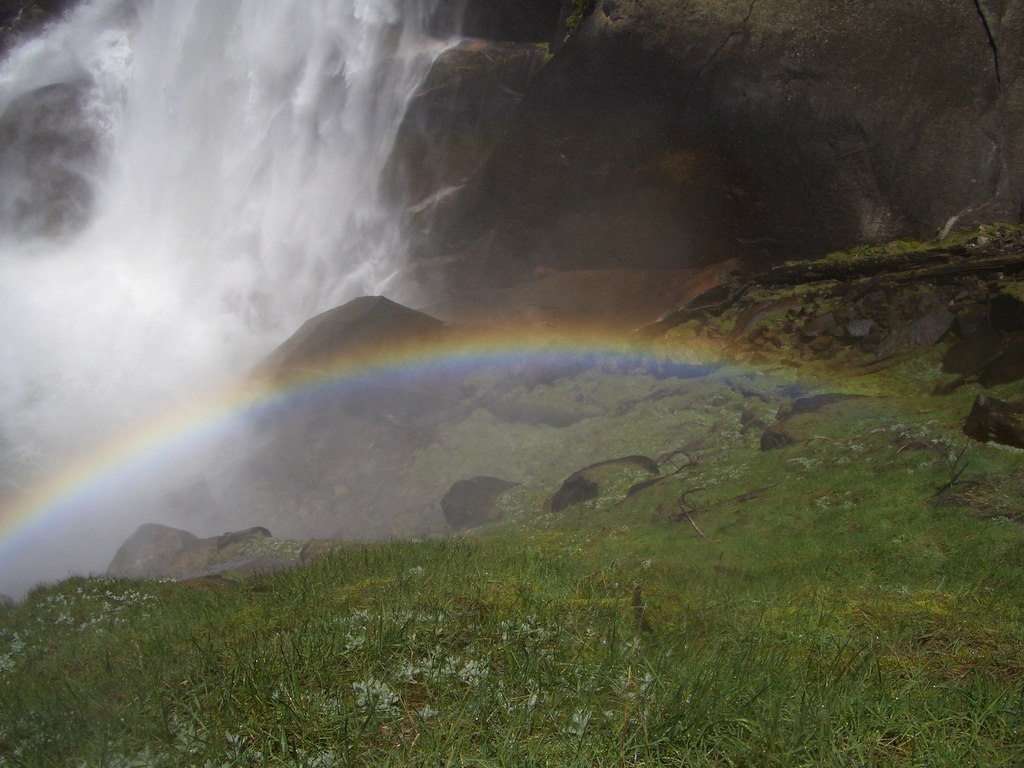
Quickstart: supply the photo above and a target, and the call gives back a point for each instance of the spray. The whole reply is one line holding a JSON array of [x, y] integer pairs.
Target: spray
[[184, 183]]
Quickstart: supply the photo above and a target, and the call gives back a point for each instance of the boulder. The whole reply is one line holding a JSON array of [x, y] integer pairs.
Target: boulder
[[471, 503], [574, 489], [239, 537], [613, 477], [923, 332], [159, 551], [1008, 366], [150, 551], [991, 344], [774, 437], [995, 420], [976, 349], [364, 326]]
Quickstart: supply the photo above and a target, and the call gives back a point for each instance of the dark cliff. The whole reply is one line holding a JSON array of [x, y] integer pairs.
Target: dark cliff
[[678, 133]]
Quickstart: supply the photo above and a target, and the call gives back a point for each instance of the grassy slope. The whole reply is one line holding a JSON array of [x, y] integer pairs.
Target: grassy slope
[[838, 613]]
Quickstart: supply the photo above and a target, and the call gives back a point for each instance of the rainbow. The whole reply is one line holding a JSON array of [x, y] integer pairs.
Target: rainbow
[[60, 494]]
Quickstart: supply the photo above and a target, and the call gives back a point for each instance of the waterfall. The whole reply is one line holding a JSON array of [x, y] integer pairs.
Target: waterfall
[[182, 183]]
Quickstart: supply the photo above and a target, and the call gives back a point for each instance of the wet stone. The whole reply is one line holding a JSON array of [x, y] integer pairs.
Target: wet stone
[[471, 503], [995, 420], [775, 437]]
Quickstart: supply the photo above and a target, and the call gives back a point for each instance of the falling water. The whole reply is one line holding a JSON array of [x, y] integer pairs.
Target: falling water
[[182, 183]]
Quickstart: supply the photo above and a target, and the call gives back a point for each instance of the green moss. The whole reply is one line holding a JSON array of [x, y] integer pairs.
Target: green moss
[[580, 10]]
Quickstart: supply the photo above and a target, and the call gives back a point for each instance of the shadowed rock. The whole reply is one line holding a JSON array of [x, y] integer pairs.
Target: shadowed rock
[[150, 551], [595, 480], [237, 537], [775, 437], [995, 420], [975, 350], [1008, 366], [471, 503], [366, 325], [159, 551], [669, 133], [575, 488], [48, 154], [923, 332]]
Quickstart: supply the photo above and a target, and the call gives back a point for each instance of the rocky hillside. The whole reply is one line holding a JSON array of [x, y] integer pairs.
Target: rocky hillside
[[913, 344]]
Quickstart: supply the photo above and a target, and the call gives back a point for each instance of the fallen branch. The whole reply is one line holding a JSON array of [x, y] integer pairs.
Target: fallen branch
[[684, 512]]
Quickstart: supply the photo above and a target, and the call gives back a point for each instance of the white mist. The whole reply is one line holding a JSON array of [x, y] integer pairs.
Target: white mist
[[237, 148]]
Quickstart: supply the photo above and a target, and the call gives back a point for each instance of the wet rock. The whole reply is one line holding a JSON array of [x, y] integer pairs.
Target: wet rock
[[237, 537], [858, 329], [575, 488], [750, 419], [969, 320], [1007, 313], [995, 420], [150, 551], [613, 476], [48, 155], [159, 551], [471, 503], [818, 326], [923, 332], [453, 121], [363, 326], [664, 132], [975, 350], [775, 437], [20, 19], [1008, 366]]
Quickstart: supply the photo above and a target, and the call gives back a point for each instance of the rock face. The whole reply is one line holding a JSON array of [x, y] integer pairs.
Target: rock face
[[20, 18], [675, 133], [47, 155], [453, 122], [512, 20]]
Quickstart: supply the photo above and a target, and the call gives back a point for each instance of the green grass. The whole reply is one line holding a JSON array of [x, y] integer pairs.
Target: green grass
[[840, 611], [838, 619]]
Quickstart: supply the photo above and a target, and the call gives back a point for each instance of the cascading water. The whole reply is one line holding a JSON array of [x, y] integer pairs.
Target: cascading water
[[183, 183]]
